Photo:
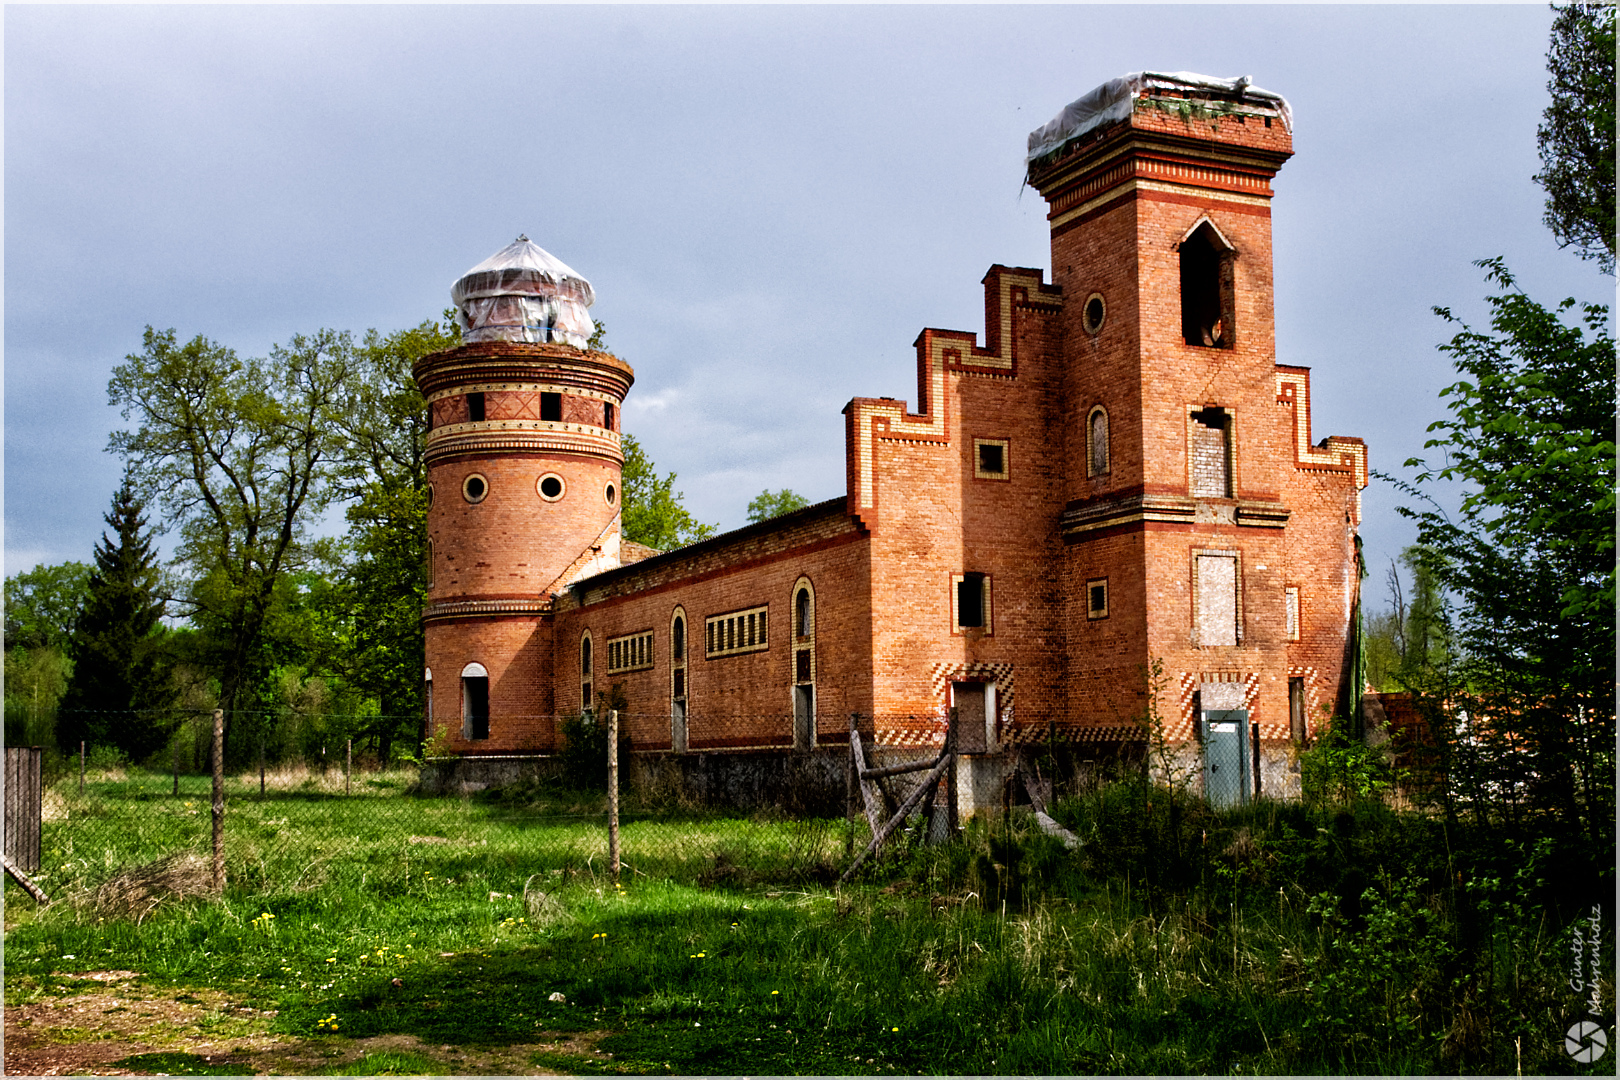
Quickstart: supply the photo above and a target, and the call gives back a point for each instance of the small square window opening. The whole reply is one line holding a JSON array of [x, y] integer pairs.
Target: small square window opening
[[1097, 599], [990, 459]]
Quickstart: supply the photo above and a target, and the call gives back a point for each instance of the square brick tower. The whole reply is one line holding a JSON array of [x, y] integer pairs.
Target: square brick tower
[[1201, 528]]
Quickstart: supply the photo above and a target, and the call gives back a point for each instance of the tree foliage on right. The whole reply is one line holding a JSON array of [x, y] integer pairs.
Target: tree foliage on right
[[1521, 715], [1526, 718], [1577, 134]]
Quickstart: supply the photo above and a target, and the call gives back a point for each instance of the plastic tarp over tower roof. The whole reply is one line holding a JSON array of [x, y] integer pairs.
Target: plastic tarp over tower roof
[[524, 293], [1116, 100]]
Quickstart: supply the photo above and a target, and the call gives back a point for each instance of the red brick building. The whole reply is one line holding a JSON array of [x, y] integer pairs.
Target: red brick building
[[1117, 471]]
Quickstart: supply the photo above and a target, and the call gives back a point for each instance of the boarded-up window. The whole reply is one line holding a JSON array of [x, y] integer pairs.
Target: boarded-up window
[[1291, 601], [1217, 614], [970, 727], [1211, 454], [1097, 442]]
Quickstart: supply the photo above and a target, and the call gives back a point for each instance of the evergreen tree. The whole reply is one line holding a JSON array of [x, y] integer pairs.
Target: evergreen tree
[[115, 643]]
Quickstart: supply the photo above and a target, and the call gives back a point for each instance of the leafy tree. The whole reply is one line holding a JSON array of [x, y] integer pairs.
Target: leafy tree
[[1576, 137], [1530, 558], [36, 679], [652, 509], [1411, 641], [238, 454], [117, 673], [382, 588], [42, 604], [768, 504]]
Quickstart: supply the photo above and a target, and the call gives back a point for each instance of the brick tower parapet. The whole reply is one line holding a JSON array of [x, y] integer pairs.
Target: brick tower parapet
[[524, 463]]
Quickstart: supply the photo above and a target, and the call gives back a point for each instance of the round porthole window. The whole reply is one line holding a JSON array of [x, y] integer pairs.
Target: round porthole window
[[550, 487], [611, 492], [474, 488], [430, 496], [1092, 315]]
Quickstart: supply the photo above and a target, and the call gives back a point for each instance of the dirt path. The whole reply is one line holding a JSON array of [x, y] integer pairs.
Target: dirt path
[[112, 1016]]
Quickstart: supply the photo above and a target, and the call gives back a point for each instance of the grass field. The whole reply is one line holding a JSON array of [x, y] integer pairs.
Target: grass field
[[1227, 944]]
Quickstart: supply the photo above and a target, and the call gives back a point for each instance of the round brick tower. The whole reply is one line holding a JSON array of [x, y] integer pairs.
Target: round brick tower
[[523, 462]]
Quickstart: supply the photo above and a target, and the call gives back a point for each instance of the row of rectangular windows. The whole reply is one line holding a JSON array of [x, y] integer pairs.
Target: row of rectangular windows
[[737, 632], [550, 408], [630, 652]]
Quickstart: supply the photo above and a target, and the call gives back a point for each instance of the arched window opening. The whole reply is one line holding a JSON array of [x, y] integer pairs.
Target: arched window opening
[[1097, 442], [677, 681], [427, 704], [474, 702], [1206, 288], [802, 675], [804, 614], [585, 683]]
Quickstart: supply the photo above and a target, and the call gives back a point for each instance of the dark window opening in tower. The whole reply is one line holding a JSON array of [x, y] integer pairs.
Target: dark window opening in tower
[[475, 706], [803, 613], [607, 415], [551, 407], [677, 640], [991, 459], [1212, 453], [970, 600], [475, 408], [801, 666], [585, 657], [1206, 290]]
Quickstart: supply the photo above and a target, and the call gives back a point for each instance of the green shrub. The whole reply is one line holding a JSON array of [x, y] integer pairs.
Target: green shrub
[[1341, 769]]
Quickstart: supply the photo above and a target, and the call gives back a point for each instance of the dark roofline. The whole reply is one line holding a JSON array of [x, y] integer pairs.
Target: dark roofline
[[840, 505]]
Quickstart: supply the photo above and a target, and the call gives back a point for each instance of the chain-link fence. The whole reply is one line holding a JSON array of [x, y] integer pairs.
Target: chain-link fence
[[741, 803]]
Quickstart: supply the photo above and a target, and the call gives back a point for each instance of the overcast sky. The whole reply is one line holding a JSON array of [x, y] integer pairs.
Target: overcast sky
[[770, 202]]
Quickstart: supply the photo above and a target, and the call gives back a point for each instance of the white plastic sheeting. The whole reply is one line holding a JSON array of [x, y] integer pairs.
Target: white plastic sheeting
[[1116, 99], [524, 293]]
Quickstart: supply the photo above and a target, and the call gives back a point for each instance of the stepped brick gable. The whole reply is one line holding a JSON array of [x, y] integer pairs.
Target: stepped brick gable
[[1116, 471]]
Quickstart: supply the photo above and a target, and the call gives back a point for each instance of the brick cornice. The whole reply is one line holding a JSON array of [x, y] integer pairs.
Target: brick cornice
[[514, 362], [1088, 516]]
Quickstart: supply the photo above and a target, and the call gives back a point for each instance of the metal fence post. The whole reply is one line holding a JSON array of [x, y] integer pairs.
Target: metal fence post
[[81, 766], [849, 791], [219, 801], [261, 766], [952, 814], [348, 764], [613, 791]]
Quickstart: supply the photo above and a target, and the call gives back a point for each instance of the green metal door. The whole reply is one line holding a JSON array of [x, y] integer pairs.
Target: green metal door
[[1226, 757]]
